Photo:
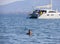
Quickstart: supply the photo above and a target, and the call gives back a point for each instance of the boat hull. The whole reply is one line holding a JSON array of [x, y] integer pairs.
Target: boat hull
[[51, 16], [33, 16]]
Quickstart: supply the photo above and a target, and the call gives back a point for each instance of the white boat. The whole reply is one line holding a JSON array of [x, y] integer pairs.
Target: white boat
[[50, 14], [45, 13]]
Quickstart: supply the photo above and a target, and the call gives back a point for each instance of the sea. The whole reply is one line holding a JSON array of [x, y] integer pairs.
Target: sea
[[13, 29]]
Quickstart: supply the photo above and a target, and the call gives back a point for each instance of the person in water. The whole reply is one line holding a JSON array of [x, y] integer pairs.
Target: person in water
[[29, 32]]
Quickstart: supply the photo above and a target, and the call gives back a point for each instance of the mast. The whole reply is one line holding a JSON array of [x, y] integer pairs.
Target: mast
[[46, 6], [51, 4]]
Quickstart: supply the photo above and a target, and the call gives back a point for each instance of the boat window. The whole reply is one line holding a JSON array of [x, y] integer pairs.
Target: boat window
[[52, 14], [59, 14], [47, 14], [52, 11]]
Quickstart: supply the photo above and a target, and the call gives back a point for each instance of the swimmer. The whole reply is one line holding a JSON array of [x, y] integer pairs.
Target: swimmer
[[29, 32]]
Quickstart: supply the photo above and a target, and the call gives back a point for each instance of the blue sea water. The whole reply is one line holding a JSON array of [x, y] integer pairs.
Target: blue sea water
[[13, 29]]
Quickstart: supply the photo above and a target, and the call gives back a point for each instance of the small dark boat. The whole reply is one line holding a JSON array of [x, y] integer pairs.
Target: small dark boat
[[35, 14]]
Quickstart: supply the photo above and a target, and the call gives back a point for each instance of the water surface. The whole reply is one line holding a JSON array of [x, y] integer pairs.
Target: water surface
[[13, 29]]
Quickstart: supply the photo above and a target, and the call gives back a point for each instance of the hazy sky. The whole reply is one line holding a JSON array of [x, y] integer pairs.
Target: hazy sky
[[3, 2], [26, 5]]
